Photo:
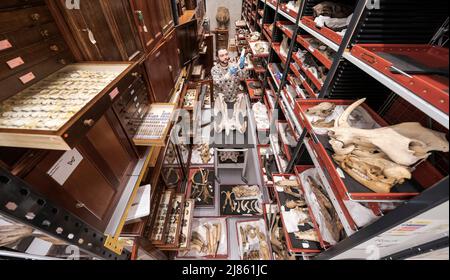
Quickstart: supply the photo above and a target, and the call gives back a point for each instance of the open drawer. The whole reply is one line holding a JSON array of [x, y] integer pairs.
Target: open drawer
[[56, 112], [408, 65], [325, 31], [347, 187]]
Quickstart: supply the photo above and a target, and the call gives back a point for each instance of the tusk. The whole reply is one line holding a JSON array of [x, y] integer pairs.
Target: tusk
[[342, 121]]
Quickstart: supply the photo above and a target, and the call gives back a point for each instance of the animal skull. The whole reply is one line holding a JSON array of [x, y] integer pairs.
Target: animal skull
[[382, 158], [323, 110]]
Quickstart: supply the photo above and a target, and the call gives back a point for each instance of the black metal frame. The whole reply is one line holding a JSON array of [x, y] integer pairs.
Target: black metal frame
[[38, 212], [420, 250]]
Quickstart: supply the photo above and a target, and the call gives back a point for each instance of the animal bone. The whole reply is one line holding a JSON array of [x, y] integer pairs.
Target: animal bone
[[323, 123], [379, 175], [310, 235], [233, 156], [245, 191], [323, 110], [205, 153], [228, 200], [291, 204], [389, 140]]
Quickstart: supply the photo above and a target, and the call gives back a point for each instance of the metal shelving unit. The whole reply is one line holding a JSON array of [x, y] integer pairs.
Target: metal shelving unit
[[381, 90]]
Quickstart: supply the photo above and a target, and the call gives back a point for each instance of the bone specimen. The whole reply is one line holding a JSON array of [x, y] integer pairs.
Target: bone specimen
[[254, 242], [233, 156], [310, 235], [202, 190], [323, 123], [382, 158], [291, 204], [331, 218], [228, 200], [221, 115], [323, 110], [242, 192]]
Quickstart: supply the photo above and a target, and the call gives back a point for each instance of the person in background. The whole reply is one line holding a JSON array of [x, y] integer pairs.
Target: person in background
[[227, 76]]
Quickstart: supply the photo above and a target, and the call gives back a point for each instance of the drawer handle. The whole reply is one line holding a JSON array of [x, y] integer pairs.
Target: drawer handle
[[136, 74], [368, 58], [35, 16], [89, 123], [170, 68]]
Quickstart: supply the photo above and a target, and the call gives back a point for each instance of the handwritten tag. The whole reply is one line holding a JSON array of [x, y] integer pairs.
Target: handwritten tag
[[27, 78], [114, 93], [16, 62], [5, 44]]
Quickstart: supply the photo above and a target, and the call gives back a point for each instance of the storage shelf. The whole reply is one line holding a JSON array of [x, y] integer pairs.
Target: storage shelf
[[286, 15], [315, 52], [403, 92], [303, 80], [308, 73], [292, 119], [319, 36], [270, 4], [349, 226]]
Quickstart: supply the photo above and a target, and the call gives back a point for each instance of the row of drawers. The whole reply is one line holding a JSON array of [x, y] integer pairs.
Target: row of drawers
[[14, 20], [9, 4]]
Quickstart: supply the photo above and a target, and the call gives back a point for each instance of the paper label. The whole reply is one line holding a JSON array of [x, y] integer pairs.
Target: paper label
[[65, 166], [114, 93], [5, 44], [135, 98], [132, 92], [340, 172], [311, 49], [16, 62], [27, 78]]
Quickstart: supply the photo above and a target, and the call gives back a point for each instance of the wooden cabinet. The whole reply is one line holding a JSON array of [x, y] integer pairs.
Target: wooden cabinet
[[103, 30], [166, 16], [146, 14], [93, 188], [163, 68]]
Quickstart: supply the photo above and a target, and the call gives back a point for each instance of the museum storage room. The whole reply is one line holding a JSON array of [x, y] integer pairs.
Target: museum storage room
[[243, 130]]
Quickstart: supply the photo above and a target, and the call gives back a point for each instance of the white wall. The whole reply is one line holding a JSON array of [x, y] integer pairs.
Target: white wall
[[235, 7]]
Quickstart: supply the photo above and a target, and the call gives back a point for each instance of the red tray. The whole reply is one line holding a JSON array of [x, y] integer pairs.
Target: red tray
[[304, 83], [285, 147], [325, 31], [308, 73], [268, 34], [284, 110], [251, 91], [277, 48], [293, 84], [290, 12], [349, 189], [299, 169], [432, 88], [281, 25], [288, 239], [315, 52], [265, 226]]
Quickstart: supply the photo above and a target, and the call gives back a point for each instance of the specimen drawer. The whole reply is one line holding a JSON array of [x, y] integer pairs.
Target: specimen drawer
[[56, 112]]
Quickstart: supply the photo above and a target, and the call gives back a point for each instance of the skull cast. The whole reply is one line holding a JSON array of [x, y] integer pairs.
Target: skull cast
[[383, 157]]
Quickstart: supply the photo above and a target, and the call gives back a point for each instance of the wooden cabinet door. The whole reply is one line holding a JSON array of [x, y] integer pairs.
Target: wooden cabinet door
[[131, 46], [172, 52], [160, 74], [94, 187], [166, 16], [102, 29], [146, 15]]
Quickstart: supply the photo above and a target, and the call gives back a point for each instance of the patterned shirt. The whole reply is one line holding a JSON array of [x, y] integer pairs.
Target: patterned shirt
[[228, 85]]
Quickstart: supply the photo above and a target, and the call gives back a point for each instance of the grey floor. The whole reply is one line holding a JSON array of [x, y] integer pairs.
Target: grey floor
[[231, 177]]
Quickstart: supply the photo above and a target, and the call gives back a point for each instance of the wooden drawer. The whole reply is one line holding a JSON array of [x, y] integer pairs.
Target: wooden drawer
[[69, 130], [8, 4], [13, 84], [13, 41], [124, 99], [24, 18], [20, 60]]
